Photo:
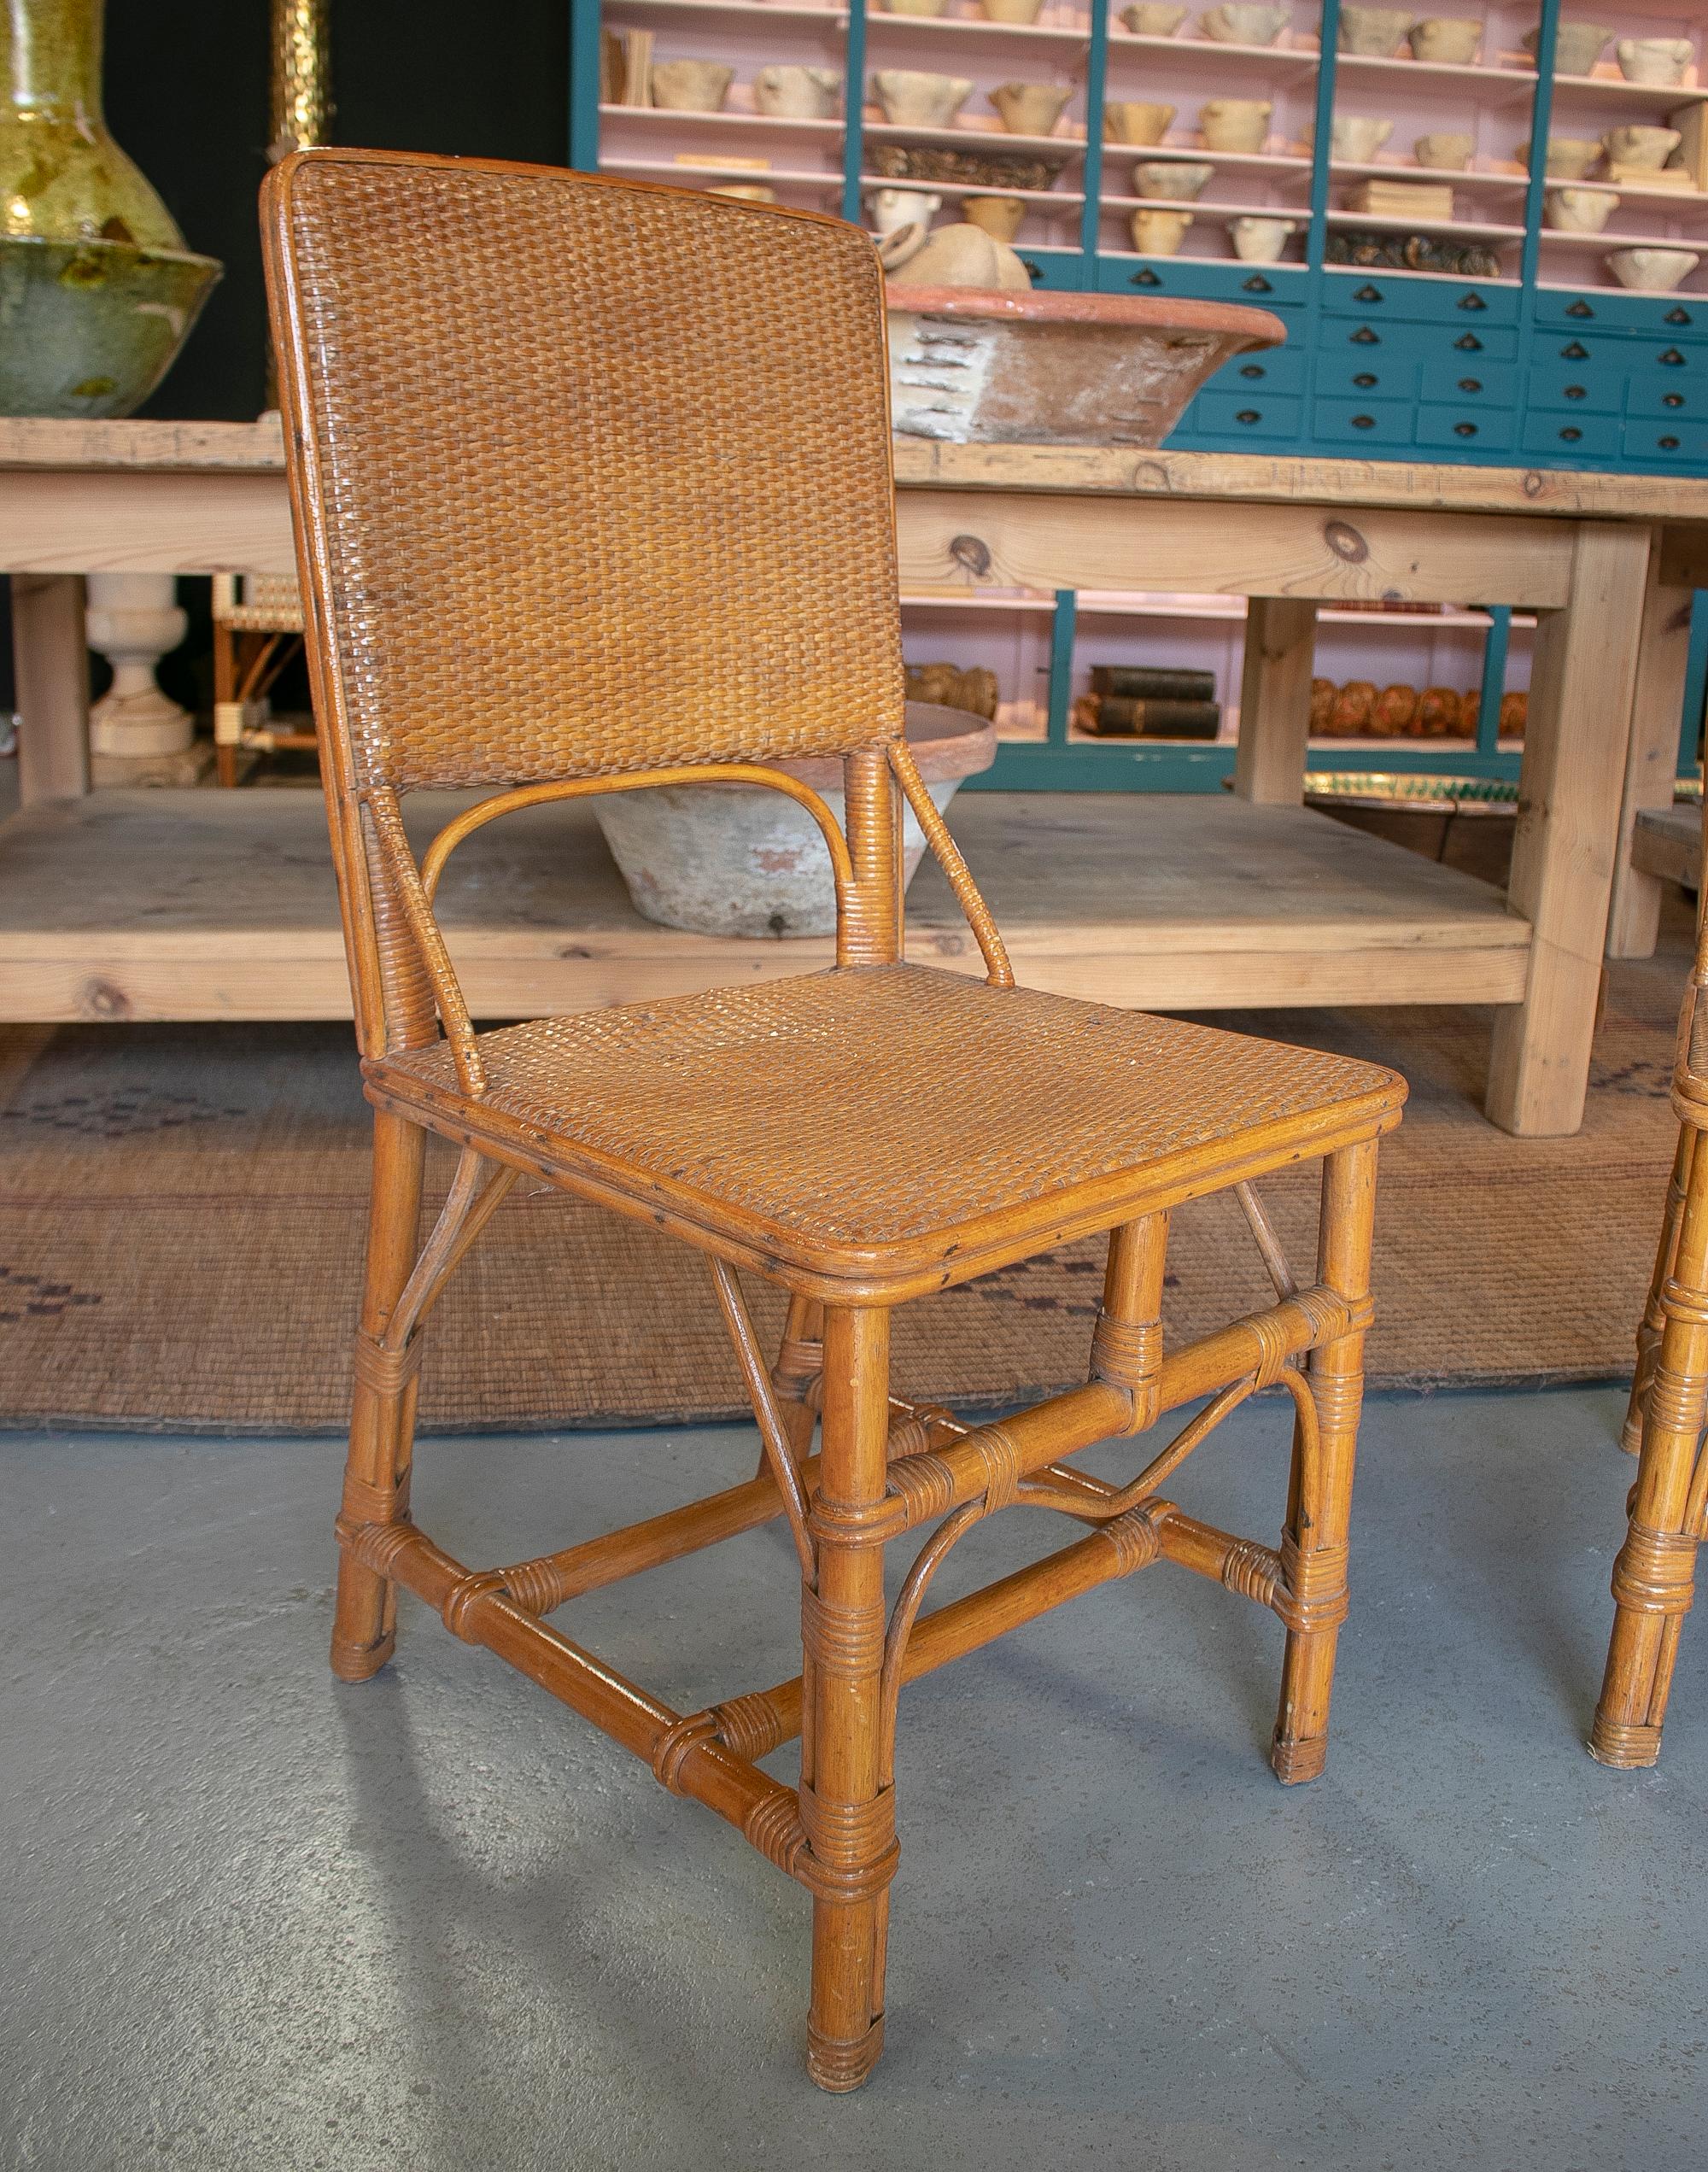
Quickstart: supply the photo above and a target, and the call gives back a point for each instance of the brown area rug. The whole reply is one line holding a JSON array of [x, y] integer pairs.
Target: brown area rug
[[181, 1223]]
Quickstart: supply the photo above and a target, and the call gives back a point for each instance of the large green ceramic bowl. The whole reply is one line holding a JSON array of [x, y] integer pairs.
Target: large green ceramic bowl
[[90, 327]]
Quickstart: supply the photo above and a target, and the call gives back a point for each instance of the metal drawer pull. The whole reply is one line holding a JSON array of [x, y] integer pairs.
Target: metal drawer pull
[[1469, 343], [1579, 309], [1667, 444], [1147, 277], [1249, 414], [1678, 316], [1471, 384], [1673, 359], [1577, 392], [1363, 380], [1465, 429], [1252, 370], [1369, 294], [1364, 422], [1572, 433], [1672, 399], [1257, 285], [1577, 351], [1472, 302], [1364, 338]]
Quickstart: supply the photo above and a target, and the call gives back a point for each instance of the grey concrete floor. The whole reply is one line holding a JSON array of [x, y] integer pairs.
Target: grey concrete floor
[[258, 1919]]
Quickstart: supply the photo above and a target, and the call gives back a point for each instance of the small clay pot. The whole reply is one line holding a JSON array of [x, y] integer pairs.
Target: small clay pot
[[1154, 18], [1356, 138], [1449, 39], [1179, 179], [1160, 233], [1579, 211], [691, 87], [1373, 32], [912, 7], [1445, 154], [1235, 123], [1352, 707], [911, 97], [1652, 271], [891, 209], [1260, 241], [999, 216], [1323, 692], [1029, 108], [797, 93], [1395, 710], [1235, 23], [1438, 712], [1577, 46], [1021, 11], [1654, 60], [1569, 157], [1636, 145], [1132, 121]]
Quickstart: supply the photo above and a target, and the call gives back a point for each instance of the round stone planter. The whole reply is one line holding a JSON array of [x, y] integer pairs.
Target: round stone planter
[[976, 367], [736, 859]]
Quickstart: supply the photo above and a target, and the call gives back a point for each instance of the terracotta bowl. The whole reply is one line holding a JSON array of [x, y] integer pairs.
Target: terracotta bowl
[[977, 367], [735, 859]]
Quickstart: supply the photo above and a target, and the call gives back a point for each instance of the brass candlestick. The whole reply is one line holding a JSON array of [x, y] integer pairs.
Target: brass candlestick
[[302, 100]]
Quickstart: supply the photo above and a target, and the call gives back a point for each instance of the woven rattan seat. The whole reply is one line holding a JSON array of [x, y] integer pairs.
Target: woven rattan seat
[[593, 490], [866, 1108]]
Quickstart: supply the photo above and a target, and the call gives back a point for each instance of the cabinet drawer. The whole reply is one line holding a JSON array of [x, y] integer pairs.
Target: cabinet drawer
[[1669, 395], [1585, 436], [1378, 374], [1055, 271], [1281, 369], [1469, 378], [1462, 430], [1232, 414], [1272, 288], [1363, 422], [1652, 315], [1417, 300], [1574, 387], [1682, 444], [1480, 343]]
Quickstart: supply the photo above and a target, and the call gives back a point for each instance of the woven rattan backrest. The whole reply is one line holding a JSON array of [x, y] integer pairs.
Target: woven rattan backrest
[[594, 477]]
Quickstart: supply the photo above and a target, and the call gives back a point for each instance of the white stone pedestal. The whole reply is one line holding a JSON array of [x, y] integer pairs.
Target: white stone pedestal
[[133, 620]]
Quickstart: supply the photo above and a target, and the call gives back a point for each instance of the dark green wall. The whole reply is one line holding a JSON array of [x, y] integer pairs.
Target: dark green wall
[[187, 98]]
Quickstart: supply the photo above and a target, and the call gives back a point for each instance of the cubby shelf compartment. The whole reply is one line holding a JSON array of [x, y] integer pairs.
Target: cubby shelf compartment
[[1486, 85], [974, 28], [1382, 222]]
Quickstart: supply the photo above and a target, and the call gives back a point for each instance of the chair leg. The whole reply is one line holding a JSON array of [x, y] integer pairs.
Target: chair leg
[[1653, 1585], [799, 1362], [1313, 1543], [383, 1411], [1649, 1328], [847, 1811]]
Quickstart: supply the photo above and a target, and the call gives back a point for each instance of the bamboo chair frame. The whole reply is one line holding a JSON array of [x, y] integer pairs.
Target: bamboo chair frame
[[1667, 1508], [886, 1469], [257, 633]]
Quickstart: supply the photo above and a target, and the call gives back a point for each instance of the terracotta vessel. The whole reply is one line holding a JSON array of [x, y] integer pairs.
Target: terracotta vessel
[[1356, 138], [1260, 241], [1654, 60], [1154, 18], [97, 291], [1235, 24], [912, 7], [1577, 46], [1373, 32], [1021, 11], [1132, 121], [1055, 369], [1636, 145], [735, 859], [691, 87], [1179, 179], [1652, 271], [999, 217], [1029, 108], [1579, 211], [1569, 157], [1449, 39], [911, 97], [1448, 153], [797, 93], [1235, 123], [891, 209], [1160, 233]]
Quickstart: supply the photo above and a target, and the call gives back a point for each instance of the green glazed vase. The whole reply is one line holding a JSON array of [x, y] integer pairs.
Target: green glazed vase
[[97, 292]]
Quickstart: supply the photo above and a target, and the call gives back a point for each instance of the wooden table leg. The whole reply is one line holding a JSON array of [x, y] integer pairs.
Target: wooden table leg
[[1569, 793], [1275, 701], [1651, 763], [50, 668]]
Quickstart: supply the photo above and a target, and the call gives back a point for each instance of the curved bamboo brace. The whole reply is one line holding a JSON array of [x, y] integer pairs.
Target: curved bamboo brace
[[467, 1209], [773, 1432], [583, 787], [999, 973], [902, 1615], [1268, 1243]]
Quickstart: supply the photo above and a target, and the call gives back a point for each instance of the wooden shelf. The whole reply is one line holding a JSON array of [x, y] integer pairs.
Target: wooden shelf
[[970, 28], [645, 169], [1055, 199], [1579, 90], [758, 124], [1516, 182], [1197, 49], [221, 904], [1485, 84], [1252, 163], [969, 138], [1384, 222], [1397, 272]]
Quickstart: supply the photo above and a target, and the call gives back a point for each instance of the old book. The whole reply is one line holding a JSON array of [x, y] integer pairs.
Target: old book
[[1401, 199], [613, 68], [1675, 180], [1144, 682], [1115, 716]]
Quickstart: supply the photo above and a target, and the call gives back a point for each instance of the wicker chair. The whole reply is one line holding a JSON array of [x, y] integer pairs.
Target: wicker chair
[[1667, 1510], [593, 491]]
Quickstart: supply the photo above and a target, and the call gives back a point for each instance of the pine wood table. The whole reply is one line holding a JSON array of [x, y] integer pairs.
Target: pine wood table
[[199, 904]]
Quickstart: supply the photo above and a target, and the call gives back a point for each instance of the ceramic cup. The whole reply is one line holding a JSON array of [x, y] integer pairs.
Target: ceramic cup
[[1373, 32], [890, 209], [1356, 138], [1579, 211], [1652, 271], [1160, 233], [691, 87], [1636, 145], [1569, 157], [999, 216], [1235, 123], [1451, 39], [1577, 46], [1260, 241], [1154, 18], [1654, 60], [1021, 11], [747, 191], [1449, 154], [797, 93], [1177, 178], [912, 98], [1236, 25], [1131, 122], [1029, 108]]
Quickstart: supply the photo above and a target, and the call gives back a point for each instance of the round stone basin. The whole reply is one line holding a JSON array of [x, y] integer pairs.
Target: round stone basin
[[737, 859], [973, 366]]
